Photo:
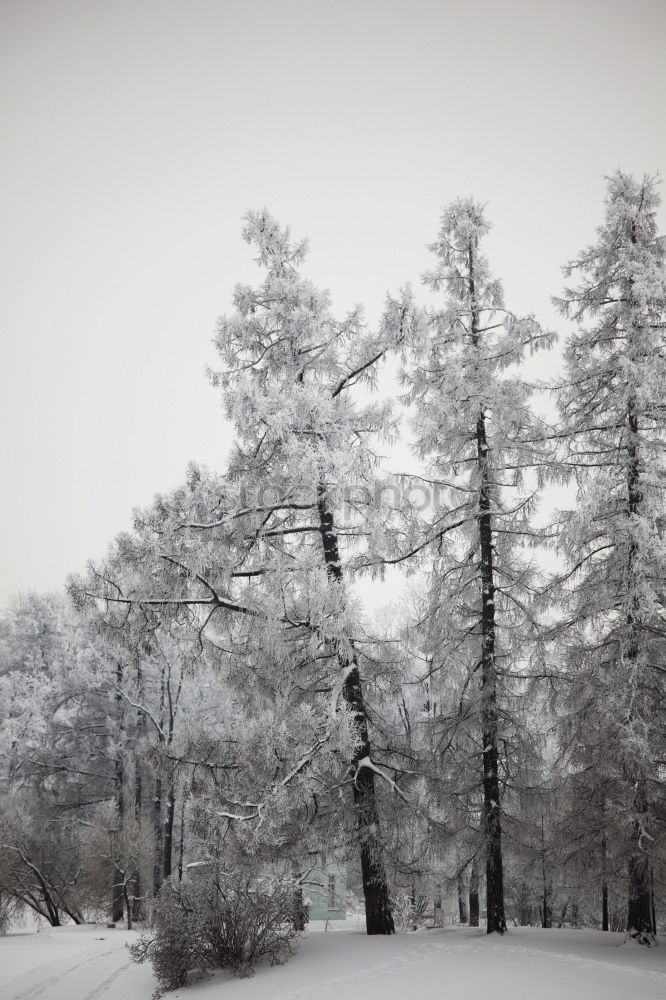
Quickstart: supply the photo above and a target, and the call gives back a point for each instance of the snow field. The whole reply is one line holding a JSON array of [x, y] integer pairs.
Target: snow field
[[92, 963]]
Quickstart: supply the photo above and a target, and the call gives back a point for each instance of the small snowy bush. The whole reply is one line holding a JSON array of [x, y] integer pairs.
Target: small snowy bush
[[213, 920]]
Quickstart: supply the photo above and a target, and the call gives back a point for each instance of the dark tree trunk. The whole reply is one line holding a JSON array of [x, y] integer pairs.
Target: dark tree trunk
[[52, 910], [299, 916], [138, 771], [639, 908], [158, 867], [474, 896], [168, 830], [117, 910], [181, 841], [378, 916], [437, 907], [604, 907], [75, 915], [117, 890], [639, 916], [546, 909], [157, 825], [492, 826], [128, 905], [462, 905], [138, 779], [604, 886], [137, 905]]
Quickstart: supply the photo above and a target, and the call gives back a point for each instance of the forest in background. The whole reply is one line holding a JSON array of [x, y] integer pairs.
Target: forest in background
[[212, 691]]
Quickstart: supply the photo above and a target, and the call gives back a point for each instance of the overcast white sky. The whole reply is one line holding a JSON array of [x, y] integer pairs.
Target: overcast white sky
[[135, 134]]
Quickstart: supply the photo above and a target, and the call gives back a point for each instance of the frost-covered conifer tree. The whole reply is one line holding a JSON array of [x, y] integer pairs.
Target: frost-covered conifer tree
[[613, 407], [475, 428], [262, 552], [301, 445]]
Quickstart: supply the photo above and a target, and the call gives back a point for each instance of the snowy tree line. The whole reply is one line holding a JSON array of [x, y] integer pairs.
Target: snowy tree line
[[212, 689]]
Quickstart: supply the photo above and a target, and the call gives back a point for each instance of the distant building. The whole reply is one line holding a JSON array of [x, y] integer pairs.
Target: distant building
[[325, 892]]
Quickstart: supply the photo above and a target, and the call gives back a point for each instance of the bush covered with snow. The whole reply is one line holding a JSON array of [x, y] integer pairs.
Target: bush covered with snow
[[214, 920]]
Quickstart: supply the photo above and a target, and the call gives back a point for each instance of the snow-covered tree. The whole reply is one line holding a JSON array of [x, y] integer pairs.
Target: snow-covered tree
[[152, 672], [263, 552], [40, 857], [613, 407], [474, 427], [120, 850], [302, 444]]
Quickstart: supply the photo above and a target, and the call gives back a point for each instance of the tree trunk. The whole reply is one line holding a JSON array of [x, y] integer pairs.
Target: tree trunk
[[639, 915], [117, 910], [639, 907], [438, 919], [462, 906], [474, 896], [117, 890], [181, 841], [492, 827], [378, 916], [604, 907], [604, 886], [128, 905], [168, 830], [52, 910], [138, 779], [157, 825], [546, 911], [140, 730], [75, 915], [137, 902], [299, 917]]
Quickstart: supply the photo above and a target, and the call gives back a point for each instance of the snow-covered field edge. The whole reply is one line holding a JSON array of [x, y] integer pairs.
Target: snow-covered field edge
[[92, 963]]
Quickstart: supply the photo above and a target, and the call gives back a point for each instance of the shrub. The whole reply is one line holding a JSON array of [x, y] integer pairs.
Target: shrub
[[215, 920], [11, 911]]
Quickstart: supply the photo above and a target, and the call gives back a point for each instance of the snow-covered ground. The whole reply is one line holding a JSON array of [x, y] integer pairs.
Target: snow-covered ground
[[91, 963]]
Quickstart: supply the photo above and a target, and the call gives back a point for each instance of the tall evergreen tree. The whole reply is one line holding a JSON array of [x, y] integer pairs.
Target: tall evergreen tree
[[613, 407], [475, 428], [302, 443]]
